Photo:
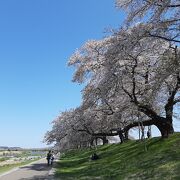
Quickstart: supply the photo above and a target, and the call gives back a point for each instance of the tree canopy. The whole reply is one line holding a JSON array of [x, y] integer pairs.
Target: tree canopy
[[131, 76]]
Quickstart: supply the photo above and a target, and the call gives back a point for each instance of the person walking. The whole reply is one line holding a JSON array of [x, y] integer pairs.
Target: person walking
[[52, 158], [48, 157]]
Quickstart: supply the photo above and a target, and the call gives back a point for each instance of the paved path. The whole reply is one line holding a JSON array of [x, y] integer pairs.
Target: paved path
[[34, 171]]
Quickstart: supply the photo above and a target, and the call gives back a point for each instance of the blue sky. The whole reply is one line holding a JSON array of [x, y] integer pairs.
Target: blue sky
[[36, 39]]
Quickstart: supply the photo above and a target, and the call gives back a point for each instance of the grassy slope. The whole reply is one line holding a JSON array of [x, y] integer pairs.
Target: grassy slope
[[125, 161]]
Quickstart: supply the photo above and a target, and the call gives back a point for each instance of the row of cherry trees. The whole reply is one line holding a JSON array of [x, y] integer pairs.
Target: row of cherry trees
[[131, 77]]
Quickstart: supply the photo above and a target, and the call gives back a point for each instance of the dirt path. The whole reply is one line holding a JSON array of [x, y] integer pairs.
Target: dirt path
[[37, 170]]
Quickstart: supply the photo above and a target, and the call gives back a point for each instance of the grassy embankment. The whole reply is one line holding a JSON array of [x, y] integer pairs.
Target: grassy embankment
[[125, 161]]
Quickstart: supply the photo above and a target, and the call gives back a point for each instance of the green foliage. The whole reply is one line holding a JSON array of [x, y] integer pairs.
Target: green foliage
[[125, 161]]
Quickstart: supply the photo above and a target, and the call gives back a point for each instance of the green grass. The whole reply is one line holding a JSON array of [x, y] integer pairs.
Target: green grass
[[9, 167], [125, 161]]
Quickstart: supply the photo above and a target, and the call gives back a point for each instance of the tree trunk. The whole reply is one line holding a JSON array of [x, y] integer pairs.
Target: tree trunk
[[105, 141], [126, 134], [121, 136], [142, 132], [91, 142], [165, 127]]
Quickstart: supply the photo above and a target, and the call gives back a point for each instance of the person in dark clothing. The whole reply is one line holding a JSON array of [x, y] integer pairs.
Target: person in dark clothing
[[48, 157], [94, 156], [148, 134]]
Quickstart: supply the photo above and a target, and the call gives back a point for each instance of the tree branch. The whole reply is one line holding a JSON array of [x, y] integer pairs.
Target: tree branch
[[160, 5], [165, 38]]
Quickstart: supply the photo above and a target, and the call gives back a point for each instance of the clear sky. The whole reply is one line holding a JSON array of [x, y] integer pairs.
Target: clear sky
[[36, 39]]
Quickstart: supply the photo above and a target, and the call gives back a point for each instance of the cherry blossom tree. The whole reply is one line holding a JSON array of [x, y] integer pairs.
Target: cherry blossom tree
[[131, 65], [162, 15], [131, 77]]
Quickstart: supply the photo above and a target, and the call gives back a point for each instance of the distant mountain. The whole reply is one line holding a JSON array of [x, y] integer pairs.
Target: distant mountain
[[3, 147], [9, 148]]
